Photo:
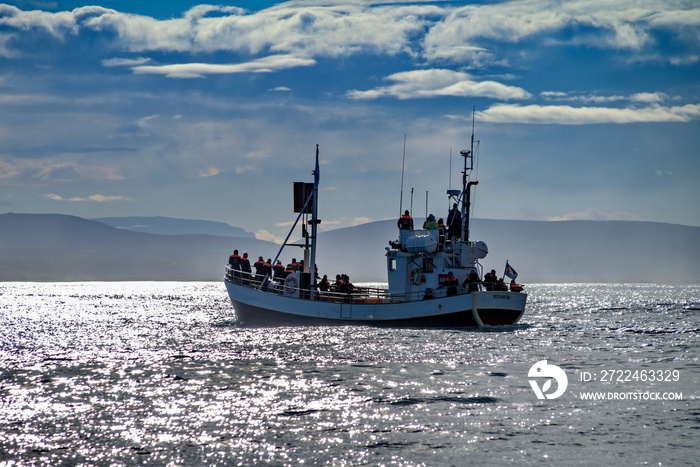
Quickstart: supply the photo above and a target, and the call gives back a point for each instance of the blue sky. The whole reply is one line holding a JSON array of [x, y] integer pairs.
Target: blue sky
[[584, 109]]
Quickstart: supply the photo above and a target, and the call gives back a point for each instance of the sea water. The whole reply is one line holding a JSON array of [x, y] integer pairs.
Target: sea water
[[157, 373]]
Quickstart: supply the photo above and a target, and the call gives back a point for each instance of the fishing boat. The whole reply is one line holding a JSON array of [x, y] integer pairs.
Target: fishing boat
[[433, 276]]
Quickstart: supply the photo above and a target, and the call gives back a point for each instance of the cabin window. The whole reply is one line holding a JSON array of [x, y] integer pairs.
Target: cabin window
[[392, 264], [427, 265]]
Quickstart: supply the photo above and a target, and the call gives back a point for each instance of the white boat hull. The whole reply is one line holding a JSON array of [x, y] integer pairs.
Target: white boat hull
[[485, 308]]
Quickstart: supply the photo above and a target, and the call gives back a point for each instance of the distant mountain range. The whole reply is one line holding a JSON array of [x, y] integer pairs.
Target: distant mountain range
[[53, 247], [171, 226]]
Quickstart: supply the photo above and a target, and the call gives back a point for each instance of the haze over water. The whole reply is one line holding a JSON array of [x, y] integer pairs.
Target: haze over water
[[156, 373]]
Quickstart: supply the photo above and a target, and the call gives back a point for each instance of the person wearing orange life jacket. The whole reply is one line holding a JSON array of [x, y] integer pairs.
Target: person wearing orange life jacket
[[259, 266], [500, 286], [324, 284], [291, 267], [339, 284], [472, 281], [245, 263], [451, 283], [235, 262], [405, 224], [245, 269], [278, 270], [490, 279], [348, 285], [265, 270]]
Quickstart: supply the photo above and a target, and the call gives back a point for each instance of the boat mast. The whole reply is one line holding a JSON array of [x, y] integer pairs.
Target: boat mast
[[314, 221], [466, 186], [403, 165]]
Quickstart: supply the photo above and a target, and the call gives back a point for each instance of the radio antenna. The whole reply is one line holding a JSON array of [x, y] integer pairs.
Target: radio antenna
[[403, 165]]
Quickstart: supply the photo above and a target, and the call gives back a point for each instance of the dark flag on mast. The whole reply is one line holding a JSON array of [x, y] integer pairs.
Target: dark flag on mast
[[316, 170], [510, 272]]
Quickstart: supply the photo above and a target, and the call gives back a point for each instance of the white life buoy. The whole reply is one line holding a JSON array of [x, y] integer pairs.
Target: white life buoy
[[417, 276], [290, 284]]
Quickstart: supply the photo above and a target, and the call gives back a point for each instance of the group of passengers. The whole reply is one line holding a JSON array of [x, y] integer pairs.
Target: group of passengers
[[472, 283], [446, 232], [241, 267], [342, 284], [241, 272], [497, 284]]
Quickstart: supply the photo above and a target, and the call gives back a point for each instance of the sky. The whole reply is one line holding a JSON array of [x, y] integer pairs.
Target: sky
[[582, 109]]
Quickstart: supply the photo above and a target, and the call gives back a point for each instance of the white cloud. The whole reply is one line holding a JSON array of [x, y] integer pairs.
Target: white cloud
[[97, 198], [685, 60], [567, 115], [58, 168], [333, 30], [624, 25], [112, 62], [554, 94], [439, 82], [644, 97], [431, 33], [593, 214], [245, 168], [209, 172], [598, 99], [649, 97], [267, 236], [199, 70]]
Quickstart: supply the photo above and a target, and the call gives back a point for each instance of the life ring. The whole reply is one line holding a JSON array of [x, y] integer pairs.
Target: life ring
[[290, 284], [417, 276]]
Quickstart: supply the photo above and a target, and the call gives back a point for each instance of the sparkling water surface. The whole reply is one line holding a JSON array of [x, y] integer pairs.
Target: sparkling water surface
[[161, 373]]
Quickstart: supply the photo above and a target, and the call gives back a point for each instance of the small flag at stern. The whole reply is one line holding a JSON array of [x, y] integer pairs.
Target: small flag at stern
[[510, 272]]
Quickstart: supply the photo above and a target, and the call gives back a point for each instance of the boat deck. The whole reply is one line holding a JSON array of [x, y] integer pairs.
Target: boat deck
[[357, 294]]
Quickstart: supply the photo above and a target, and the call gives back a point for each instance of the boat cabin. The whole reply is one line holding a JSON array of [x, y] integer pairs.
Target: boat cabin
[[427, 261]]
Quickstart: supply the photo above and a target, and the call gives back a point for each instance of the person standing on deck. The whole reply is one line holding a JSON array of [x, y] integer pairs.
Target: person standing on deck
[[472, 281], [451, 282], [490, 279], [235, 262], [430, 223], [245, 269], [454, 222], [278, 270], [259, 268], [405, 224]]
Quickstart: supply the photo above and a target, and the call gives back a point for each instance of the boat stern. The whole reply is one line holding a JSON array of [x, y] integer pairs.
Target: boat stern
[[492, 308]]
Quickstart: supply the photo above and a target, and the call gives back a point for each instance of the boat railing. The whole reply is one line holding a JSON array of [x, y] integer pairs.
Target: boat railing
[[357, 294]]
